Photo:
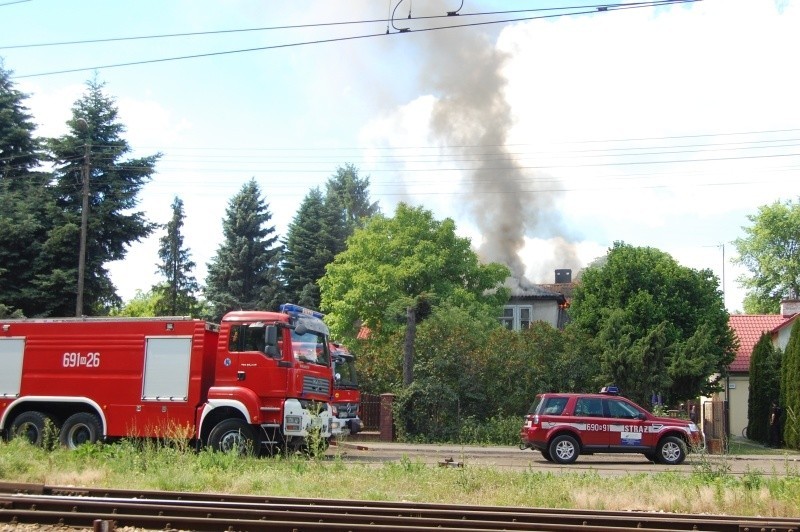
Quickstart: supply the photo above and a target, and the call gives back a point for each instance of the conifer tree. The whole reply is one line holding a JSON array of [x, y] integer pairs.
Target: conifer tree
[[94, 142], [25, 201], [310, 245], [177, 293], [764, 388], [243, 275], [790, 391]]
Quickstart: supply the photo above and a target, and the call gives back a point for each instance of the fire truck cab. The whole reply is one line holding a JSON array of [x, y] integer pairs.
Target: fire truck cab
[[346, 393]]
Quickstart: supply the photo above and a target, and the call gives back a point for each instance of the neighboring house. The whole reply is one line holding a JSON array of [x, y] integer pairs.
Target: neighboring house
[[540, 302], [748, 329]]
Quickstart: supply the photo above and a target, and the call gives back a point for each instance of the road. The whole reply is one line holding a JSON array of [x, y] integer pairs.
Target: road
[[513, 458]]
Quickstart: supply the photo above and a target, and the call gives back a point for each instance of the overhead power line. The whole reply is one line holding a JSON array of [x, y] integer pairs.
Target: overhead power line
[[605, 8], [318, 25]]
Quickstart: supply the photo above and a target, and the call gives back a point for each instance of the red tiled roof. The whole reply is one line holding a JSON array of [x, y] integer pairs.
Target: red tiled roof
[[748, 329]]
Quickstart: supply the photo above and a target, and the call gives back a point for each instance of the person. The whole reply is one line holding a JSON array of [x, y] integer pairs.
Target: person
[[775, 425], [693, 413]]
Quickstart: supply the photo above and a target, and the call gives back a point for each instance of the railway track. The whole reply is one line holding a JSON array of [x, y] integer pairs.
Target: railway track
[[105, 509]]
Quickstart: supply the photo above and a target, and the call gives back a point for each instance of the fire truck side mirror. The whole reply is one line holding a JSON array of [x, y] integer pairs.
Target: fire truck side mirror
[[300, 329], [271, 341]]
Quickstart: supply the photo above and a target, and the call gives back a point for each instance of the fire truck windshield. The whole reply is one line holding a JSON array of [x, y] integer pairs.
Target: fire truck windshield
[[345, 370], [310, 347]]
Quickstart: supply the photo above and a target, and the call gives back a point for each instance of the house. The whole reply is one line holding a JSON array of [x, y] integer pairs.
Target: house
[[540, 302], [748, 329]]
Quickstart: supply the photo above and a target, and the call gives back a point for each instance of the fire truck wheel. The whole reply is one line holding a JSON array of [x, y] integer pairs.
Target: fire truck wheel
[[78, 429], [31, 426], [233, 435], [671, 450], [563, 449]]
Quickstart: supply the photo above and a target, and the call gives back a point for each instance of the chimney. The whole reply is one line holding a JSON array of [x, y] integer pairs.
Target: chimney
[[790, 307], [565, 276]]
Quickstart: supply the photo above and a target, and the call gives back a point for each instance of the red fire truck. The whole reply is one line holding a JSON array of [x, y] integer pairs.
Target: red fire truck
[[259, 381], [346, 393]]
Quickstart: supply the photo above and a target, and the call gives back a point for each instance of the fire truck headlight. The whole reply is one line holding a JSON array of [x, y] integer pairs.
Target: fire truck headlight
[[293, 422]]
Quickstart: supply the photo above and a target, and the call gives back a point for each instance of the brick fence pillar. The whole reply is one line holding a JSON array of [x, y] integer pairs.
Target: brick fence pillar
[[387, 417]]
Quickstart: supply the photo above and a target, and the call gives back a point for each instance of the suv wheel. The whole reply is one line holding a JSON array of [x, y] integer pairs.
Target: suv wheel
[[563, 449], [671, 451]]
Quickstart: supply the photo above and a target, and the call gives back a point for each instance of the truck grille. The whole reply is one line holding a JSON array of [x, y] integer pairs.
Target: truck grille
[[316, 385], [347, 410]]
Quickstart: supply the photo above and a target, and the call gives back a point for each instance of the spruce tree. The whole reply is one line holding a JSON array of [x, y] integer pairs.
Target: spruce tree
[[177, 293], [243, 275], [25, 201], [310, 245], [349, 193], [94, 142]]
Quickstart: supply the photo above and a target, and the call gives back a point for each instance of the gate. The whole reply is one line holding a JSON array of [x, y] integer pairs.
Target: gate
[[371, 412], [715, 426]]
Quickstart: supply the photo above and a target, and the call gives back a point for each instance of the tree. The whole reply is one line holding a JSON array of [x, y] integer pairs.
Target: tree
[[771, 253], [765, 368], [310, 245], [395, 270], [25, 201], [350, 193], [243, 275], [790, 394], [95, 142], [177, 294], [143, 305], [657, 327]]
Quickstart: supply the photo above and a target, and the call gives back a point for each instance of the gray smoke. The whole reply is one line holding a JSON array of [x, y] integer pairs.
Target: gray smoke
[[472, 116]]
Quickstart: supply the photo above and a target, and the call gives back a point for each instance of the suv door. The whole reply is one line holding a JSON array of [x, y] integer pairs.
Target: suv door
[[590, 416], [629, 432]]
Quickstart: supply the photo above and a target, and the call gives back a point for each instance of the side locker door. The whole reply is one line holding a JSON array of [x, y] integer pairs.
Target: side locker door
[[11, 355]]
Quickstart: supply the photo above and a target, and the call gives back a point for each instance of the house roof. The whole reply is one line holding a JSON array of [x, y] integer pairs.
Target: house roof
[[748, 329]]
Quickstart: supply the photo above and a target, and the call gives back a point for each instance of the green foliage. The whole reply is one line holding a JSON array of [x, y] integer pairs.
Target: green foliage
[[411, 262], [657, 327], [94, 140], [310, 245], [243, 275], [790, 391], [349, 193], [24, 199], [427, 410], [765, 366], [771, 253], [143, 305], [177, 293]]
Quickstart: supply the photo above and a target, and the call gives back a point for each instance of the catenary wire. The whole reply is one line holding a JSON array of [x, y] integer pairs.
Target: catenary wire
[[655, 3]]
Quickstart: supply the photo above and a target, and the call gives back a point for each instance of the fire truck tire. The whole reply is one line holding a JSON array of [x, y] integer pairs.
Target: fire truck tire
[[671, 450], [564, 449], [233, 435], [78, 429], [31, 426]]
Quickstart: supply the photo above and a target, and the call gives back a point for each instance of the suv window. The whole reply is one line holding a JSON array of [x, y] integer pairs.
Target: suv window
[[621, 409], [589, 406], [553, 406]]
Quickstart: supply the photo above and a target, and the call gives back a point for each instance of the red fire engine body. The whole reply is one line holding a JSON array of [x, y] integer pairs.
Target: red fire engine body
[[346, 393], [257, 379]]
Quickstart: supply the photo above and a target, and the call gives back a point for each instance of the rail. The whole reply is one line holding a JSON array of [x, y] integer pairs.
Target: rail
[[88, 507]]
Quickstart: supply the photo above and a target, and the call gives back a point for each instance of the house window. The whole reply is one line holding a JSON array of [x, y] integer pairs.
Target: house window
[[508, 318], [517, 317]]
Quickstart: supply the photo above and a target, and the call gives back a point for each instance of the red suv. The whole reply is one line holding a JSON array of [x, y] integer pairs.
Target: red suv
[[563, 425]]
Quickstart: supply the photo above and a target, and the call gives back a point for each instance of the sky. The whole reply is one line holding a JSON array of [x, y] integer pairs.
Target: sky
[[545, 134]]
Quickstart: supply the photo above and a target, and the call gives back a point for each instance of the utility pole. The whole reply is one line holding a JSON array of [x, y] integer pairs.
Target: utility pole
[[85, 171]]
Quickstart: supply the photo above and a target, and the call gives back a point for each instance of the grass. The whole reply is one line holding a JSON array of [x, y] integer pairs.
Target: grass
[[154, 465]]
